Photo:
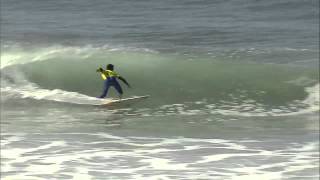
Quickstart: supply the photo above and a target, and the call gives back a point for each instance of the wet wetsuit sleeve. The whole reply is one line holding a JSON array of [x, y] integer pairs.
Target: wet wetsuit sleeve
[[124, 81]]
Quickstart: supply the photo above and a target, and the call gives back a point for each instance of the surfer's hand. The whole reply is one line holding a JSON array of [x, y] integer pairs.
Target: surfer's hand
[[99, 70]]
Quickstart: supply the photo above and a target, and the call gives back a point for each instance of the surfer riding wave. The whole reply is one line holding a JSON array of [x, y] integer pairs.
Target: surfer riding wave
[[110, 79]]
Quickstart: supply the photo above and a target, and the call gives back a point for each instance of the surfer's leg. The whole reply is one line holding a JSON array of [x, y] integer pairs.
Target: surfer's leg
[[118, 88], [105, 90]]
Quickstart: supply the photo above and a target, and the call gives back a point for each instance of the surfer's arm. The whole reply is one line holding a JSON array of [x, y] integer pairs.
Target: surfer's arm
[[103, 76], [124, 81], [99, 70]]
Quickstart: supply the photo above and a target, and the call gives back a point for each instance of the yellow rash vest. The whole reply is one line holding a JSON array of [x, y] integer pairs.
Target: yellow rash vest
[[108, 73]]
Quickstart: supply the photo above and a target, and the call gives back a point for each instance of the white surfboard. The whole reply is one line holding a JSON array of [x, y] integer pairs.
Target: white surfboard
[[125, 100]]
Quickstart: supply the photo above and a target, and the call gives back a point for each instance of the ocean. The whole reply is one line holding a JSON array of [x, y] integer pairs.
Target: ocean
[[233, 85]]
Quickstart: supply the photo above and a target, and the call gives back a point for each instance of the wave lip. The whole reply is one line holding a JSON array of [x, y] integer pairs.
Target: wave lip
[[14, 55]]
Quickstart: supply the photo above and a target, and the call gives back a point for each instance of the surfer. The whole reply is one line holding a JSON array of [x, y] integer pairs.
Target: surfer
[[110, 79]]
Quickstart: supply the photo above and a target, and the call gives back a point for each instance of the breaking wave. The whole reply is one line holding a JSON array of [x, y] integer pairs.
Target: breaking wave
[[180, 84]]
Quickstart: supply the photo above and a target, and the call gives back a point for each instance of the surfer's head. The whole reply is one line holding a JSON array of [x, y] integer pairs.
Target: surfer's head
[[110, 67]]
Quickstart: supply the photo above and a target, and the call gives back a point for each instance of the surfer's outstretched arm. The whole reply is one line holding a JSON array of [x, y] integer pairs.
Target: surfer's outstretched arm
[[124, 81], [99, 70]]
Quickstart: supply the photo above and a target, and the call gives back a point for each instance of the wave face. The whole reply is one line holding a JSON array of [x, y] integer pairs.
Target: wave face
[[224, 82]]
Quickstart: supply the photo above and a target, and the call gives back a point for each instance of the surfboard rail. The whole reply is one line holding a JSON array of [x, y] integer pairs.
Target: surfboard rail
[[123, 100]]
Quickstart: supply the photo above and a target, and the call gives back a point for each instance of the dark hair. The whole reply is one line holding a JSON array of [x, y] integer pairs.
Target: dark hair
[[110, 67]]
